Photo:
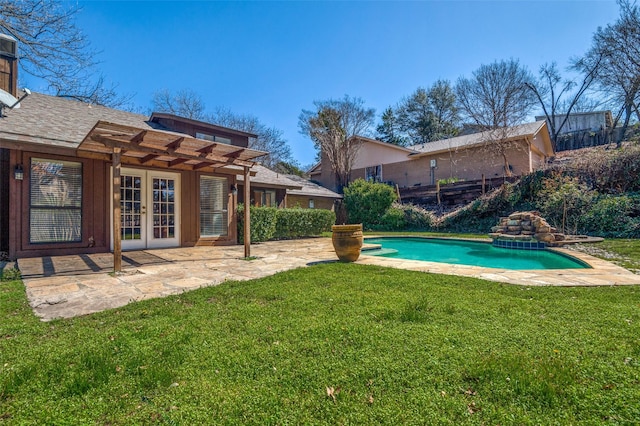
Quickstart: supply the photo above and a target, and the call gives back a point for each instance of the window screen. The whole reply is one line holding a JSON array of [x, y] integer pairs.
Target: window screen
[[55, 201], [213, 206]]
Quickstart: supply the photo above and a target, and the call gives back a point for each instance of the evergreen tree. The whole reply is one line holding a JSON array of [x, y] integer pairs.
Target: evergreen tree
[[389, 130]]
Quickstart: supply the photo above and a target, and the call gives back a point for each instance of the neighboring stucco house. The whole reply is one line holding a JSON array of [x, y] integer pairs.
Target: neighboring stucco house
[[526, 147], [272, 189]]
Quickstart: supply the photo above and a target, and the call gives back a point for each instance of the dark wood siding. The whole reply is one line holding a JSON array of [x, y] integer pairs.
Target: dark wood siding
[[191, 129], [5, 176], [189, 220], [96, 209]]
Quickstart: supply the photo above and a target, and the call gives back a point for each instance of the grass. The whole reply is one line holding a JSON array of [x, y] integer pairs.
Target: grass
[[330, 344], [623, 252]]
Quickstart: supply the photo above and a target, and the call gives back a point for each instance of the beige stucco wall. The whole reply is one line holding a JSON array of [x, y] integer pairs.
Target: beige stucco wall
[[466, 164], [373, 154]]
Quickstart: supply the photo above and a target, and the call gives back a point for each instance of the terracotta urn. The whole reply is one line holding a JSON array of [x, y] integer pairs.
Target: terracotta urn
[[347, 241]]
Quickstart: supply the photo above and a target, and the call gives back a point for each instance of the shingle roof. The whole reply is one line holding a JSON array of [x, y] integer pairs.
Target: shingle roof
[[515, 132], [269, 178], [311, 188], [61, 122]]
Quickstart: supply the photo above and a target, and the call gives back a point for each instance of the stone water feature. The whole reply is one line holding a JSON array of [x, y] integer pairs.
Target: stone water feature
[[525, 230]]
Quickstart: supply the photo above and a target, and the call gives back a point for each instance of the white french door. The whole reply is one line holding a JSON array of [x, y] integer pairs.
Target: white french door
[[150, 209]]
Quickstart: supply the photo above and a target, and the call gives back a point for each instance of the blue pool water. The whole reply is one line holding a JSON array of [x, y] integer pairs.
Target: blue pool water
[[470, 253]]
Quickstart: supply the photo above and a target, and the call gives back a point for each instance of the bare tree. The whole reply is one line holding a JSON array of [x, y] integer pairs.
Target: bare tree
[[189, 104], [495, 99], [616, 50], [52, 48], [185, 103], [269, 139], [557, 97], [334, 127]]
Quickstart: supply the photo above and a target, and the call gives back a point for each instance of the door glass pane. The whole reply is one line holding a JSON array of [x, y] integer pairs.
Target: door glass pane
[[130, 193], [163, 207]]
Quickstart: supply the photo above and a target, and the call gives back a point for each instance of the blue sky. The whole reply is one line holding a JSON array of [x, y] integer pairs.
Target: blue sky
[[272, 59]]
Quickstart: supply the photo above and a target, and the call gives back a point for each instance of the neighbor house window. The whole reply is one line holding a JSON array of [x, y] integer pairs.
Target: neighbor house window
[[213, 138], [312, 204], [373, 174], [55, 201], [213, 206], [264, 198]]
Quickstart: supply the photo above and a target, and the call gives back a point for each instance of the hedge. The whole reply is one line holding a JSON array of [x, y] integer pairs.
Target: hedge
[[263, 223], [296, 223], [269, 223]]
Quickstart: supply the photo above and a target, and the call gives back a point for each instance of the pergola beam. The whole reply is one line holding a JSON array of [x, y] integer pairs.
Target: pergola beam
[[125, 144], [247, 214], [117, 231], [148, 157]]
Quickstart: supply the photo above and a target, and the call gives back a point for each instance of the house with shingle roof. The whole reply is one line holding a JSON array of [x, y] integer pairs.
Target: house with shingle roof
[[178, 179], [273, 189], [77, 178], [517, 150]]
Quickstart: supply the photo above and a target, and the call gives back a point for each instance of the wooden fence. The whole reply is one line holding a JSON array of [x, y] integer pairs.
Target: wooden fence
[[452, 193]]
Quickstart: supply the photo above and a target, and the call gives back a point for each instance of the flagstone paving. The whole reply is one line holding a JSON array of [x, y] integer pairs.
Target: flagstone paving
[[69, 286]]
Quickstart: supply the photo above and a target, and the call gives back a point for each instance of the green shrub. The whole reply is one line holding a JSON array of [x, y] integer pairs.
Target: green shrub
[[416, 218], [563, 200], [263, 223], [295, 223], [366, 202], [484, 212], [392, 220], [611, 216]]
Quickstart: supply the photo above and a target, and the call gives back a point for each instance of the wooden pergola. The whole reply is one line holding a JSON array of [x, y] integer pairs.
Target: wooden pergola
[[121, 144]]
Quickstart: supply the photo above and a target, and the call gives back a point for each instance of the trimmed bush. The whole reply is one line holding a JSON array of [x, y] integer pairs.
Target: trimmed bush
[[296, 223], [366, 202], [263, 223]]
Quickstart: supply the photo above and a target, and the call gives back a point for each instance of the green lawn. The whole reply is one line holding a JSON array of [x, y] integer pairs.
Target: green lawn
[[330, 344], [624, 252]]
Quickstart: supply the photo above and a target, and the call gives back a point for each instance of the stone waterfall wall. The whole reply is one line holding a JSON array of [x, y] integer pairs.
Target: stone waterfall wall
[[525, 226]]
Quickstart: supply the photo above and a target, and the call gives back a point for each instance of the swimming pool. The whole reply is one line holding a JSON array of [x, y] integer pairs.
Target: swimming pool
[[474, 253]]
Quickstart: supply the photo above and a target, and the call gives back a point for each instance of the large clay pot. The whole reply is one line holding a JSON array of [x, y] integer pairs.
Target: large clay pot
[[347, 241]]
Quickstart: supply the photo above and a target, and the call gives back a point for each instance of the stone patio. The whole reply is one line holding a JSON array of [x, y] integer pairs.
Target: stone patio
[[69, 286]]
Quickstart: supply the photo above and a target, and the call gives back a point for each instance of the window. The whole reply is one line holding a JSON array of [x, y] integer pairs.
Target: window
[[264, 198], [373, 174], [55, 201], [213, 138], [213, 206], [312, 204]]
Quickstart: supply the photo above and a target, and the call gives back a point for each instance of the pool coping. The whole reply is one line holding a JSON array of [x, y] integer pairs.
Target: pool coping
[[600, 273]]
